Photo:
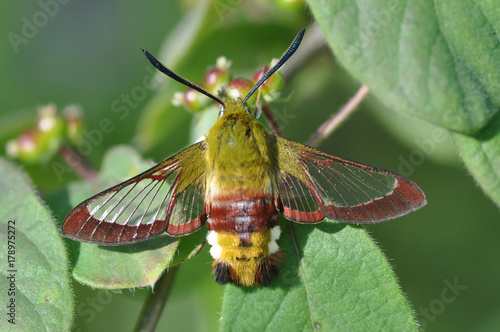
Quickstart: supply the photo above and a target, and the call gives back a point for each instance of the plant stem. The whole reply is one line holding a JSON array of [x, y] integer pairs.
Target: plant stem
[[272, 120], [337, 119], [153, 307], [80, 165]]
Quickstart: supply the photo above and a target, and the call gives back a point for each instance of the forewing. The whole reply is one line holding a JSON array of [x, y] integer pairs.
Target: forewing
[[146, 205], [315, 185]]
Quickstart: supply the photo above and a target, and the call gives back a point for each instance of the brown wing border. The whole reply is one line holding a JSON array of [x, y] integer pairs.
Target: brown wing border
[[293, 160], [80, 225]]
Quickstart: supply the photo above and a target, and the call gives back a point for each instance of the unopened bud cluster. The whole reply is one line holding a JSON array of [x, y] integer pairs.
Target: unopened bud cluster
[[51, 131], [218, 82]]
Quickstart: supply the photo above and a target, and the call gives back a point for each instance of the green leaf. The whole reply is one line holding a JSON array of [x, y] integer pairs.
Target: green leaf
[[437, 60], [334, 278], [481, 155], [43, 296], [133, 265]]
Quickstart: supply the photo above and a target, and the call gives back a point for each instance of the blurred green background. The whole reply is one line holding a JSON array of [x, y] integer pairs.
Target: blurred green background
[[88, 53]]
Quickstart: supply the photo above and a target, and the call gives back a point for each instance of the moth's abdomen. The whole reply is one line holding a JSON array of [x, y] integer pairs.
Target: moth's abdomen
[[243, 236]]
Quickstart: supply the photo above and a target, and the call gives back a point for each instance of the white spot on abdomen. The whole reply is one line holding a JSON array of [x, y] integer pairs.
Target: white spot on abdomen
[[212, 238], [273, 247], [216, 249], [275, 234]]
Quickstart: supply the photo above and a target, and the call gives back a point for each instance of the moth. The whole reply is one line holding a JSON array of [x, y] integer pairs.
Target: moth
[[237, 181]]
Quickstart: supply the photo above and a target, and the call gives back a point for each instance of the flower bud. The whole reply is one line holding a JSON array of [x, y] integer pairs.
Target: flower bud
[[239, 88], [74, 123], [272, 87], [194, 100], [25, 148], [49, 130], [217, 77]]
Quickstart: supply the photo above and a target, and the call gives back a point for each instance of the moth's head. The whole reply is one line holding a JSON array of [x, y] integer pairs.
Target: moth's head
[[233, 106], [289, 52]]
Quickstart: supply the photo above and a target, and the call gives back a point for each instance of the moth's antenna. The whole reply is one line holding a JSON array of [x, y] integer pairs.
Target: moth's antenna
[[179, 79], [289, 52]]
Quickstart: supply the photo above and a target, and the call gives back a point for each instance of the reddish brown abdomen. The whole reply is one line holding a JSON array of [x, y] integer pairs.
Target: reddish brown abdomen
[[243, 233]]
